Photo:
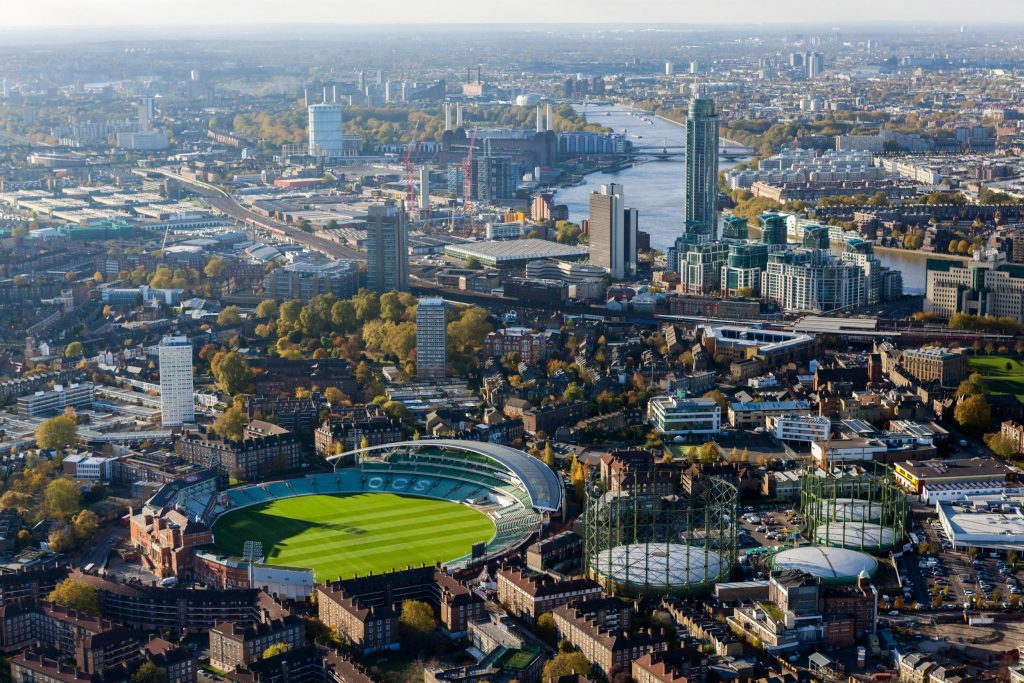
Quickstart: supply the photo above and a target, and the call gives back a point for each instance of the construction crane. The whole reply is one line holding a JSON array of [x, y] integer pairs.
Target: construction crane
[[467, 182], [408, 161]]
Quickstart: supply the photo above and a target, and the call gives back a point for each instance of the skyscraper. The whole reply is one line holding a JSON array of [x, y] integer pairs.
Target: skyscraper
[[431, 338], [702, 162], [613, 232], [326, 134], [387, 249], [177, 404]]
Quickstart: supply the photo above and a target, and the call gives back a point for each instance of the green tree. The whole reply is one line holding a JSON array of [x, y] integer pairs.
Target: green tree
[[276, 649], [74, 350], [230, 371], [973, 414], [391, 307], [76, 595], [974, 385], [546, 629], [567, 663], [229, 317], [57, 432], [573, 392], [62, 498], [149, 673]]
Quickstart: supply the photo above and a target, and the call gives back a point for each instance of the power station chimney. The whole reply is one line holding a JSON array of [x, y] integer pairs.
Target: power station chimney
[[549, 117], [334, 94], [479, 74], [540, 120], [447, 115], [325, 94], [458, 114], [305, 96], [469, 74]]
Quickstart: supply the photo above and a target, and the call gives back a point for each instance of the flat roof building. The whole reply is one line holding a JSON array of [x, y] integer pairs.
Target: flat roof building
[[514, 252]]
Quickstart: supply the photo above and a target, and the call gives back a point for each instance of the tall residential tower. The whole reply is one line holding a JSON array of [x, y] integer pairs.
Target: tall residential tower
[[702, 162], [613, 230], [326, 132], [431, 338], [387, 249], [177, 404]]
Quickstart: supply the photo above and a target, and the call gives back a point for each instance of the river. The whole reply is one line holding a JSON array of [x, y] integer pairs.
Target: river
[[655, 189]]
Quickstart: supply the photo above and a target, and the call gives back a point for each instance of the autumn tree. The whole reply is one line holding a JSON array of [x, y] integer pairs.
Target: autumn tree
[[565, 664], [57, 432], [84, 524], [231, 423], [417, 620], [276, 649], [74, 350], [62, 498], [267, 309], [76, 595], [973, 414], [229, 316], [230, 371], [149, 673]]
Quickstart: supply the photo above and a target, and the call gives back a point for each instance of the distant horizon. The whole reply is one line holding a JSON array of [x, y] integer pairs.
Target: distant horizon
[[104, 14]]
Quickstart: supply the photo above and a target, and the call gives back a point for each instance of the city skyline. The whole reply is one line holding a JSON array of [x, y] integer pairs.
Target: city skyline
[[98, 13]]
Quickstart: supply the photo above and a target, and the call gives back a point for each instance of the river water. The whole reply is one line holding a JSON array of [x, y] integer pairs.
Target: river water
[[655, 189]]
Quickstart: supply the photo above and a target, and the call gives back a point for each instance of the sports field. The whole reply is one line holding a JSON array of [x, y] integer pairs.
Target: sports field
[[342, 535], [1004, 375]]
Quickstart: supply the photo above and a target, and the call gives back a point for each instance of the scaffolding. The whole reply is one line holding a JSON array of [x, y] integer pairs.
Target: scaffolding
[[652, 544], [863, 511]]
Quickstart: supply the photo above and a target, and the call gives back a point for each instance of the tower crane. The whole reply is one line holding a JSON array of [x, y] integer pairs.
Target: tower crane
[[467, 181]]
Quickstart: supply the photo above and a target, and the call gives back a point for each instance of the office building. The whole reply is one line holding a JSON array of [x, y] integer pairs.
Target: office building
[[986, 285], [303, 280], [43, 403], [676, 414], [177, 404], [387, 249], [613, 230], [815, 64], [702, 161], [792, 428], [326, 130], [431, 338]]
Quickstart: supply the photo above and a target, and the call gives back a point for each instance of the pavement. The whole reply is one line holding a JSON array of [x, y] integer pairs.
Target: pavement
[[101, 546]]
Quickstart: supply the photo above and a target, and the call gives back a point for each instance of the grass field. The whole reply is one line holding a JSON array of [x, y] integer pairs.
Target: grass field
[[1000, 379], [347, 534]]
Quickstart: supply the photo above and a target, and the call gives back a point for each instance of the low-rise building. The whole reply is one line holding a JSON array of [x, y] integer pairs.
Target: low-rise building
[[530, 595], [675, 414], [166, 541], [233, 644], [598, 631], [753, 414], [799, 428], [677, 665], [247, 459], [914, 475]]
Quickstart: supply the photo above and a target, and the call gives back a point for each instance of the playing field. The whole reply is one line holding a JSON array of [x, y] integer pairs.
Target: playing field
[[1003, 375], [342, 535]]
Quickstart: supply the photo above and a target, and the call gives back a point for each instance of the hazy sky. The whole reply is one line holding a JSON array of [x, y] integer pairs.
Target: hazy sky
[[41, 13]]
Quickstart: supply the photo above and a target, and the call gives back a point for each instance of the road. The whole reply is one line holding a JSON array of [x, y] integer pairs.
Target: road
[[100, 547]]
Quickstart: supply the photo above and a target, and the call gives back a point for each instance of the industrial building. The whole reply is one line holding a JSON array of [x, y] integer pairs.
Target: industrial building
[[514, 253]]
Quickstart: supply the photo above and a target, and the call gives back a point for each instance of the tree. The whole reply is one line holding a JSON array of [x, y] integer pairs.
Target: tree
[[74, 350], [62, 498], [973, 414], [84, 525], [549, 456], [709, 452], [417, 620], [391, 307], [546, 629], [974, 385], [565, 664], [466, 335], [719, 398], [229, 317], [267, 309], [334, 396], [76, 595], [60, 539], [276, 649], [230, 371], [57, 432], [149, 673], [231, 423], [573, 392]]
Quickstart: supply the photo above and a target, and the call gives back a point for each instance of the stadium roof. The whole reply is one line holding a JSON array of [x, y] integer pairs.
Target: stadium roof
[[542, 485]]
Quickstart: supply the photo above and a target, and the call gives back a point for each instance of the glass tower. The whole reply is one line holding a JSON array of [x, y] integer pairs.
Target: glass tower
[[702, 162]]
